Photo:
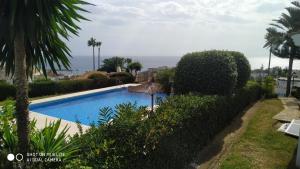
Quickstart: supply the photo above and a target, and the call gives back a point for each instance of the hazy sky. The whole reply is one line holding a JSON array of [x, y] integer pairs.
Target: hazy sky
[[173, 28]]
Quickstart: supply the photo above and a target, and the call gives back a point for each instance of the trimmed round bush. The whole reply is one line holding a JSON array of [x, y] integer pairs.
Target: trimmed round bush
[[208, 72], [97, 75], [124, 77], [243, 68]]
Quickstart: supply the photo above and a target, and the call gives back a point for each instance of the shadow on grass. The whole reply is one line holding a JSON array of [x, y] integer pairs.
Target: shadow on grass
[[216, 146], [292, 163]]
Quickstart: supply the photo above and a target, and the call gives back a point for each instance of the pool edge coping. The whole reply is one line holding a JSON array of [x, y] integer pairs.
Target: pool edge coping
[[73, 129], [70, 95]]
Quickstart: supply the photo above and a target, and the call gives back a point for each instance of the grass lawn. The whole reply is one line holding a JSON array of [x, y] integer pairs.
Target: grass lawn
[[261, 146]]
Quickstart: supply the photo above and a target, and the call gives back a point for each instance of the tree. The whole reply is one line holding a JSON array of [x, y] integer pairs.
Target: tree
[[92, 42], [111, 64], [277, 71], [165, 78], [135, 66], [98, 44], [280, 42], [31, 35]]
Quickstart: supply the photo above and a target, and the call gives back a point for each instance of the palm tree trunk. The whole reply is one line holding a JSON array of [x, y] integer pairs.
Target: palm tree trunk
[[93, 58], [269, 67], [98, 57], [289, 77], [20, 80]]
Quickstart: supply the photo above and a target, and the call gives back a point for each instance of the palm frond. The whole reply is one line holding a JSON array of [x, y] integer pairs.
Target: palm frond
[[45, 24], [105, 115]]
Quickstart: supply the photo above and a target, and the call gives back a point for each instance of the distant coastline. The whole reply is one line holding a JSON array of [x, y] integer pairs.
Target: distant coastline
[[81, 64], [84, 63]]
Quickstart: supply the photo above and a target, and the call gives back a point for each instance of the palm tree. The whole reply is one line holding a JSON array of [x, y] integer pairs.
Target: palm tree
[[98, 44], [92, 42], [136, 66], [280, 42], [273, 40], [30, 39]]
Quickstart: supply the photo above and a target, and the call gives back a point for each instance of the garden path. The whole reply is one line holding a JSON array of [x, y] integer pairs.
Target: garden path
[[290, 111]]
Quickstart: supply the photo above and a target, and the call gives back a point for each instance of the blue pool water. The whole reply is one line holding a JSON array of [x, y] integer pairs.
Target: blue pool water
[[86, 108]]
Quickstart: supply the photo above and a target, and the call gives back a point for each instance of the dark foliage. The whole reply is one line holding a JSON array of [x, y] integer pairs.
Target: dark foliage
[[111, 64], [6, 91], [165, 78], [48, 87], [268, 86], [168, 139], [243, 68], [296, 92], [122, 77], [51, 138], [98, 75], [208, 72], [67, 86]]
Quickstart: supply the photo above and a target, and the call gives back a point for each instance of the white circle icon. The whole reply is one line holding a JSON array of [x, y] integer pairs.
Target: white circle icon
[[10, 157], [19, 157]]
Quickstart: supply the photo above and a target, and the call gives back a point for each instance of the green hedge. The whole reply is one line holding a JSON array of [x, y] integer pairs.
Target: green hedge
[[268, 87], [6, 91], [48, 87], [296, 92], [243, 68], [207, 72], [164, 78], [98, 75], [122, 77], [42, 88], [67, 86], [168, 139]]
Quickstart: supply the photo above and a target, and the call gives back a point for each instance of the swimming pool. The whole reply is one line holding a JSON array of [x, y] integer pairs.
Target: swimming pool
[[85, 108]]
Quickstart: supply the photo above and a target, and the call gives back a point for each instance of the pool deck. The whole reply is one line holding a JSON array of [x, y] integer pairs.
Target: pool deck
[[73, 129], [291, 110]]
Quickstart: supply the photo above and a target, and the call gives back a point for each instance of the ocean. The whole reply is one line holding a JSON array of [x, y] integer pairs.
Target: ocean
[[80, 64], [85, 63]]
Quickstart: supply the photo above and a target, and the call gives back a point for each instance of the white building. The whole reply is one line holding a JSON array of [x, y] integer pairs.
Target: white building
[[281, 85], [258, 75]]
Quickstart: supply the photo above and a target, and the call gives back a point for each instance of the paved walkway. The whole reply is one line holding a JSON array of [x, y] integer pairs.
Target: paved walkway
[[291, 110]]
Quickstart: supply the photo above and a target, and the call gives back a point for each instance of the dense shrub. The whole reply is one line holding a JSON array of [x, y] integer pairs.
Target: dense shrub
[[75, 85], [296, 92], [42, 88], [168, 139], [268, 86], [48, 87], [67, 86], [208, 72], [123, 77], [165, 78], [97, 75], [111, 64], [47, 140], [243, 68], [6, 91]]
